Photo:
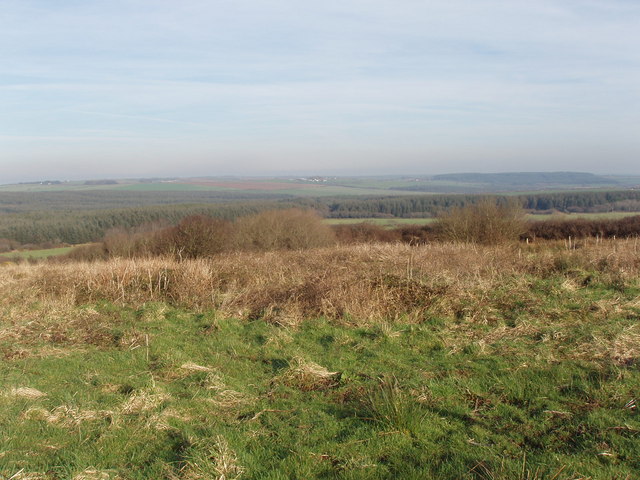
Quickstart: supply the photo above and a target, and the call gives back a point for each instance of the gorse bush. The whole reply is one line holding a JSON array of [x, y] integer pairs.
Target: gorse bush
[[486, 222]]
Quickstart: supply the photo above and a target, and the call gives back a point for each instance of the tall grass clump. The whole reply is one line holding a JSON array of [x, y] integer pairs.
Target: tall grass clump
[[348, 283], [486, 222]]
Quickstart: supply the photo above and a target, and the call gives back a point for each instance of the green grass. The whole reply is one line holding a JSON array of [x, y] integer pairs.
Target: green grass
[[392, 222], [586, 216], [37, 254], [384, 222], [162, 392]]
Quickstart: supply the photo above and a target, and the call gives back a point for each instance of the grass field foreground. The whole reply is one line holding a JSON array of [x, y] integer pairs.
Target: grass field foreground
[[373, 361]]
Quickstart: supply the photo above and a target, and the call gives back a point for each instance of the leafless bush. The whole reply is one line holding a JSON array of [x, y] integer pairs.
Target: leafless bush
[[195, 237], [291, 229], [486, 222], [558, 229], [6, 245], [365, 233], [138, 242]]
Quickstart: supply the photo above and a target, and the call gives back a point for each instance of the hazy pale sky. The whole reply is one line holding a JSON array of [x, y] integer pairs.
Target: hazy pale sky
[[117, 88]]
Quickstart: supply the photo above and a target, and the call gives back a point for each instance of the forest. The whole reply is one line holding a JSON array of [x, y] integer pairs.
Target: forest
[[80, 217]]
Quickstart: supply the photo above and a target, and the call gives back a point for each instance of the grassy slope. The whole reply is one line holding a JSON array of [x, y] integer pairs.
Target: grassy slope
[[454, 362]]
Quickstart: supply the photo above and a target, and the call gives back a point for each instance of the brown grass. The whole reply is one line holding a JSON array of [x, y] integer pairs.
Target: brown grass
[[27, 392], [307, 376], [212, 461], [355, 284], [66, 416], [92, 474]]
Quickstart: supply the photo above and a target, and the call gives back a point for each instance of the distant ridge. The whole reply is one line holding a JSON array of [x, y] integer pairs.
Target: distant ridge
[[527, 178]]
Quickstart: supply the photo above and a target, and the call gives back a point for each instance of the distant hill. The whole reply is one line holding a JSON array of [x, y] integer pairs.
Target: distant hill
[[534, 179]]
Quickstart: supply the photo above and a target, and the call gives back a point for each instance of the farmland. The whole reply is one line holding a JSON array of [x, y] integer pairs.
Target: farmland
[[320, 186]]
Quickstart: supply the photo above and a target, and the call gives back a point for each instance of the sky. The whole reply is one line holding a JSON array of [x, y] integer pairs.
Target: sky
[[146, 88]]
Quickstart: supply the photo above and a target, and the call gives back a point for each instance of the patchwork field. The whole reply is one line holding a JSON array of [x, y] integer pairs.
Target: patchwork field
[[347, 185], [376, 361]]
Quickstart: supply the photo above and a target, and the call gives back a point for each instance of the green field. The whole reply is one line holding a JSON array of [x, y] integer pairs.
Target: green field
[[384, 222], [441, 362], [395, 222], [36, 254], [586, 216]]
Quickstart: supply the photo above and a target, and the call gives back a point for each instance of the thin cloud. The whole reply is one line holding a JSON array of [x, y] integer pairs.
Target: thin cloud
[[270, 81]]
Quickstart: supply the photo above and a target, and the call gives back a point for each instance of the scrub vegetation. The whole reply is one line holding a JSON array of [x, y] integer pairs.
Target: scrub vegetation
[[299, 358], [276, 346], [76, 217]]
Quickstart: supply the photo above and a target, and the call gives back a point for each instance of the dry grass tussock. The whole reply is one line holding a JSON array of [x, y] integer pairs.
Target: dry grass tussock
[[356, 284], [623, 348], [27, 392], [45, 326], [93, 474], [66, 416], [143, 401], [23, 475], [307, 376], [224, 398], [87, 474], [211, 460]]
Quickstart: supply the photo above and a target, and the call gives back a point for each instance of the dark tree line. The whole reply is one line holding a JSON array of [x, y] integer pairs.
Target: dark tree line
[[80, 217], [89, 226], [433, 205]]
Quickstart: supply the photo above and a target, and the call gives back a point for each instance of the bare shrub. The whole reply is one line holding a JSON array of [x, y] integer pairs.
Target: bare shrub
[[89, 253], [365, 233], [558, 229], [118, 242], [486, 222], [195, 236], [141, 241], [199, 236], [416, 234], [6, 245], [291, 229]]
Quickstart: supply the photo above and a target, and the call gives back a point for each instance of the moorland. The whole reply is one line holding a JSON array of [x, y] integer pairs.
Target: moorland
[[247, 338]]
